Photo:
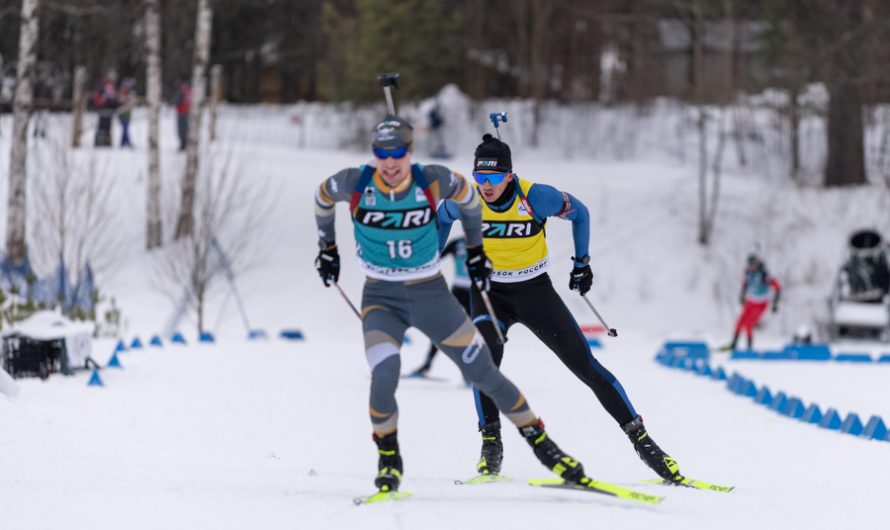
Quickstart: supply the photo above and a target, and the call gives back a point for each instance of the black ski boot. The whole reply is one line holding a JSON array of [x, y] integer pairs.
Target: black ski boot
[[649, 452], [390, 463], [492, 449], [551, 455], [420, 372], [732, 345]]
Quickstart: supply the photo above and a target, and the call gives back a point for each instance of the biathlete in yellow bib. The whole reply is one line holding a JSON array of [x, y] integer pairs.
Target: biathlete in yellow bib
[[393, 208], [514, 213]]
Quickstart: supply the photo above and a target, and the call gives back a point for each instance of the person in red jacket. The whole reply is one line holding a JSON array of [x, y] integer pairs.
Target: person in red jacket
[[105, 101], [183, 101], [755, 298]]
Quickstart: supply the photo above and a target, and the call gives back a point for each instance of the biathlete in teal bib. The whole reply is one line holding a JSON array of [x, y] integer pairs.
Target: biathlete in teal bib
[[393, 207]]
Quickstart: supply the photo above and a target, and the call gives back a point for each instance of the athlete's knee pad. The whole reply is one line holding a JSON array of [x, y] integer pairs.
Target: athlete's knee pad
[[379, 346]]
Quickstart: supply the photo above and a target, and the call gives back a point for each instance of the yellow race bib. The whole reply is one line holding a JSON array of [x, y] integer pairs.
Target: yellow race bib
[[514, 240]]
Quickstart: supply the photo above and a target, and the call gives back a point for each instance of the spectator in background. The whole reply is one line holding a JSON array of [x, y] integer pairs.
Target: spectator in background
[[43, 99], [126, 97], [183, 101], [755, 298], [438, 133], [105, 101]]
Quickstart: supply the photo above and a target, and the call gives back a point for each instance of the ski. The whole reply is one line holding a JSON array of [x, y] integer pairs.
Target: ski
[[692, 483], [382, 496], [595, 486], [483, 479]]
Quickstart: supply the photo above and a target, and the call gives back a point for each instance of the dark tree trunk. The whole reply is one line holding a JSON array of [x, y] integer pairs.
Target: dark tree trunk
[[846, 149], [794, 129]]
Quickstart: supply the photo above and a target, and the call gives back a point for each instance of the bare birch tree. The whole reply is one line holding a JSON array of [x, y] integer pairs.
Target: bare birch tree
[[542, 12], [227, 231], [78, 104], [185, 224], [17, 216], [153, 94], [77, 219], [707, 199], [215, 97]]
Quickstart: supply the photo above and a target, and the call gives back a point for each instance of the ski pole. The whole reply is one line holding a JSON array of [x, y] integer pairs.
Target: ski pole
[[494, 318], [389, 81], [612, 332], [348, 301]]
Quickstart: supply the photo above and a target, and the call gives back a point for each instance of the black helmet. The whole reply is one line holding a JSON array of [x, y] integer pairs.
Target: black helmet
[[392, 132]]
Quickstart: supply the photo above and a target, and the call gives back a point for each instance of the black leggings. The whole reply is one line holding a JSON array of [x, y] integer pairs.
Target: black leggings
[[535, 304]]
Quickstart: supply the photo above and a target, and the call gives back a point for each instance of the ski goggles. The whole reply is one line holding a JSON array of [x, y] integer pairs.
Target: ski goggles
[[493, 178], [395, 152]]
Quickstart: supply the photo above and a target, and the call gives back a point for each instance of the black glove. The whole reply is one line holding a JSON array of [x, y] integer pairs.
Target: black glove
[[581, 278], [479, 268], [775, 307], [328, 264]]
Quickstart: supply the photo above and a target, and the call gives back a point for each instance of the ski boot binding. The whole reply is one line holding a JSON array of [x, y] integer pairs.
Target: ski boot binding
[[663, 464], [389, 466], [492, 453], [551, 455]]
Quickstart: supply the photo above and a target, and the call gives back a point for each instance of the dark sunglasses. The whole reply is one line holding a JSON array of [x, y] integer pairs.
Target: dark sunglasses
[[394, 152], [493, 178]]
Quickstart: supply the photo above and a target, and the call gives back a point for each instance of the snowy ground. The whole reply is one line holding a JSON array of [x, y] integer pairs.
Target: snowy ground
[[275, 434]]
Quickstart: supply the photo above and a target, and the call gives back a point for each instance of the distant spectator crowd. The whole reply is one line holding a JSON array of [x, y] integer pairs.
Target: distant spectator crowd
[[111, 98]]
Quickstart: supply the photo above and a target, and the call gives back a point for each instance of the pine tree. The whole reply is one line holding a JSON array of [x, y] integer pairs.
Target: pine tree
[[419, 39]]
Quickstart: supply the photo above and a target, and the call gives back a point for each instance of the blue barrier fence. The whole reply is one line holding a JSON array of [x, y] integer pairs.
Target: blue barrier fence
[[694, 357], [176, 338], [802, 352]]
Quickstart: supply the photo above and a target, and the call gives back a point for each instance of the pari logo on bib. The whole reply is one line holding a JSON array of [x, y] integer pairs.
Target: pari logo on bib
[[394, 219]]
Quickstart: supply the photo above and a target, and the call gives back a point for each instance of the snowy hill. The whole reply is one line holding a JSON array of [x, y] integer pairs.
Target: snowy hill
[[275, 434]]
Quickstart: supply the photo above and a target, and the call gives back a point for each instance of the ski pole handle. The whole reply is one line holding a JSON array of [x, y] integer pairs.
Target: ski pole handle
[[494, 318], [351, 306], [390, 107], [612, 332], [389, 81], [497, 117]]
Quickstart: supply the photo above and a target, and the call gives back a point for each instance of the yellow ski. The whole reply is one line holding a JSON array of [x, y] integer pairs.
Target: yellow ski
[[483, 479], [692, 483], [382, 496], [596, 486]]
